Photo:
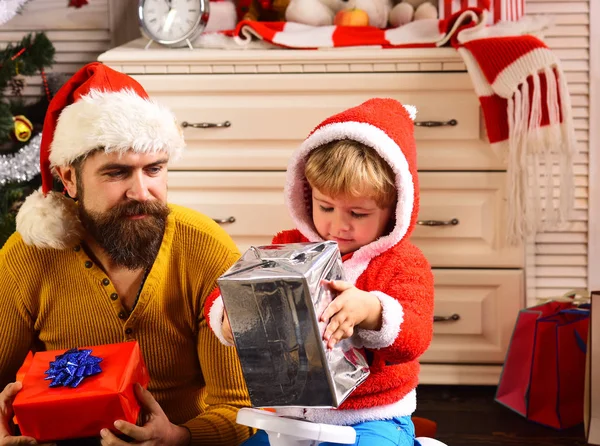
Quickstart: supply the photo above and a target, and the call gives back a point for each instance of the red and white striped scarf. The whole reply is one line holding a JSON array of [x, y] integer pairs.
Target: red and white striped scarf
[[422, 33], [527, 110]]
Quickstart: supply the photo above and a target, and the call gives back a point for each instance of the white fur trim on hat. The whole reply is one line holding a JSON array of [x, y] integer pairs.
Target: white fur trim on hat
[[49, 221], [392, 316], [412, 111], [387, 148], [118, 121]]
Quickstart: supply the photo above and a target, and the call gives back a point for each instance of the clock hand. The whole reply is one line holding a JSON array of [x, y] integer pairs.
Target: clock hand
[[169, 20]]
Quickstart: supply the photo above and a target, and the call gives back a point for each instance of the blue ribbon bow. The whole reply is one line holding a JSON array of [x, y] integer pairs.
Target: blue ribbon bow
[[72, 367]]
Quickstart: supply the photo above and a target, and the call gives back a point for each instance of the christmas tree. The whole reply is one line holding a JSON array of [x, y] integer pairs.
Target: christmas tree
[[21, 123]]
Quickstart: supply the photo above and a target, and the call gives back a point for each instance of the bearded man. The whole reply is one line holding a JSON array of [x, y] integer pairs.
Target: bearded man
[[108, 260]]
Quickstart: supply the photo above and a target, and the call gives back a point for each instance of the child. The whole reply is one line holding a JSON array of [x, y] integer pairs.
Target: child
[[354, 181]]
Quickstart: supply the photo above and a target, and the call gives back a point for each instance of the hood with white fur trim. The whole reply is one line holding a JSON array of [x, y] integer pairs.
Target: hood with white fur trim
[[383, 124]]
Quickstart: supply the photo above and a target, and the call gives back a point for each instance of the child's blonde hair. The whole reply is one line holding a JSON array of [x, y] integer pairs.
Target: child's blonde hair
[[349, 168]]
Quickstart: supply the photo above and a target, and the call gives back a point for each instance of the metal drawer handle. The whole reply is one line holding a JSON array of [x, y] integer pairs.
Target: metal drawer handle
[[205, 125], [452, 222], [225, 220], [450, 123], [452, 318]]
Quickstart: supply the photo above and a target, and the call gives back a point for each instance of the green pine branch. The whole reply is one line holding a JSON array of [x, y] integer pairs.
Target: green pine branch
[[27, 57], [6, 121], [10, 196], [38, 53]]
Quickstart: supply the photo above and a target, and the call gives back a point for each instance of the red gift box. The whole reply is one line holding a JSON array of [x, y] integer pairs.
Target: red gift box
[[505, 10], [24, 367], [59, 413]]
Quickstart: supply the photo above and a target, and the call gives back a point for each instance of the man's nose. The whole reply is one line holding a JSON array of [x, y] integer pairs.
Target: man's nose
[[138, 189]]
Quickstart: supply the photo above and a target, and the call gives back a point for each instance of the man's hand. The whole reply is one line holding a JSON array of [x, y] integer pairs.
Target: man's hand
[[226, 328], [157, 429], [7, 396], [352, 307]]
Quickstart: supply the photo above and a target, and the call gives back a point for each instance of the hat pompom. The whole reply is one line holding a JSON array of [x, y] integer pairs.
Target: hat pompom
[[49, 221], [412, 111]]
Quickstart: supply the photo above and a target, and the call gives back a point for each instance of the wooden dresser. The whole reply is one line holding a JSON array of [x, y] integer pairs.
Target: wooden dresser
[[245, 111]]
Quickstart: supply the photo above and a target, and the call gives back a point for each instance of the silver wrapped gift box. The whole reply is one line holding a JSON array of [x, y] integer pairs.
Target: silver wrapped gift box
[[274, 297]]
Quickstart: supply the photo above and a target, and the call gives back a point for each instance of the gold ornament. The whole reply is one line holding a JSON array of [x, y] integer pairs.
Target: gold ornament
[[23, 128]]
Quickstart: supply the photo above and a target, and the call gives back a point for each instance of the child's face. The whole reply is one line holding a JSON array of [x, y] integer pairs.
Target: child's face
[[351, 222]]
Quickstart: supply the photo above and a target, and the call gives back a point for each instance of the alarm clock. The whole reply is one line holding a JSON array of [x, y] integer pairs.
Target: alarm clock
[[173, 23]]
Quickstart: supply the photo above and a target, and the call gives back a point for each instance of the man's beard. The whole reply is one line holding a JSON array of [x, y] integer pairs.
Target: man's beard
[[133, 244]]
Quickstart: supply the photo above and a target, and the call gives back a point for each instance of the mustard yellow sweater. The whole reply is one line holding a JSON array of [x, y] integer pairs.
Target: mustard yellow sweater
[[57, 299]]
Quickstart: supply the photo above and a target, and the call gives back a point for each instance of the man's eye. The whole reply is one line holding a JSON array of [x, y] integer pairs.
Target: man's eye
[[115, 173], [154, 170], [324, 209]]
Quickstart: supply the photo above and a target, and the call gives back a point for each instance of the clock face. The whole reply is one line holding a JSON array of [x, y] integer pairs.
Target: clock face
[[172, 21]]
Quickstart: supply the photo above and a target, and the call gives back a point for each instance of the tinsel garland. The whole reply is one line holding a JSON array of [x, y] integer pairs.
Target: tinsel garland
[[23, 165]]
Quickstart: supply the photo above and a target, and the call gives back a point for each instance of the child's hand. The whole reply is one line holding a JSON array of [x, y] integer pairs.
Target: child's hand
[[352, 307], [226, 328]]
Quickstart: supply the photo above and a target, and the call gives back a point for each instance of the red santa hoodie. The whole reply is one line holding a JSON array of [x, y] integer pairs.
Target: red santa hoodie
[[390, 267]]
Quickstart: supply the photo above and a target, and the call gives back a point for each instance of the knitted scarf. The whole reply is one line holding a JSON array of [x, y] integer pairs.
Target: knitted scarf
[[527, 110]]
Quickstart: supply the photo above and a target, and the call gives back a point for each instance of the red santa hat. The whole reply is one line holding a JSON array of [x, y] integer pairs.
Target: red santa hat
[[97, 108], [383, 124]]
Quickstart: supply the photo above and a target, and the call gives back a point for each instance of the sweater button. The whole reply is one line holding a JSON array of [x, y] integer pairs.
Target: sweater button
[[122, 315], [114, 296], [77, 248], [105, 282], [88, 264], [128, 331]]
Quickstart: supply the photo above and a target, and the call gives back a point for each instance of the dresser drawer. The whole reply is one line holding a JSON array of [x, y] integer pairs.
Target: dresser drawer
[[476, 312], [469, 211], [250, 206], [262, 118]]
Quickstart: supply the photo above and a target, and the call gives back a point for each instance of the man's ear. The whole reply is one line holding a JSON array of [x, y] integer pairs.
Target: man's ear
[[68, 177]]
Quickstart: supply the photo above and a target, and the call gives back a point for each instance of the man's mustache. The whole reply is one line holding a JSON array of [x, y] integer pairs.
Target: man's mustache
[[131, 208]]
